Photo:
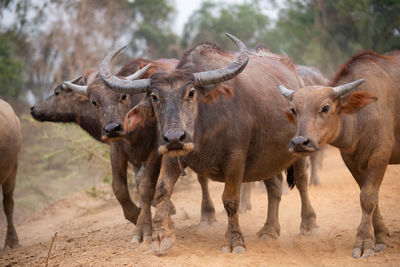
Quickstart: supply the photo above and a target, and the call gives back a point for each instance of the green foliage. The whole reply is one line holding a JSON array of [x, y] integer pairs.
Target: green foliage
[[213, 20], [154, 27], [326, 33], [11, 78]]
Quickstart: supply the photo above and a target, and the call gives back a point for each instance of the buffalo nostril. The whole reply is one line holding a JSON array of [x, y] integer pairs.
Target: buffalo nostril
[[32, 108], [182, 137], [174, 137], [166, 139], [112, 128], [306, 142]]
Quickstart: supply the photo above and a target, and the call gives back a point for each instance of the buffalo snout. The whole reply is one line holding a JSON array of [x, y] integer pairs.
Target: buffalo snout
[[112, 129], [174, 139], [303, 144]]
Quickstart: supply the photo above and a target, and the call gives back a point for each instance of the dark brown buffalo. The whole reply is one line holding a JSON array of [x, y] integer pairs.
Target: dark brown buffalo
[[67, 105], [361, 118], [138, 146], [232, 132], [10, 144]]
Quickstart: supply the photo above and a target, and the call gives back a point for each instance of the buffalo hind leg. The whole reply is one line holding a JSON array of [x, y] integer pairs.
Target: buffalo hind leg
[[8, 204], [272, 229], [316, 162], [207, 206], [245, 198], [308, 217]]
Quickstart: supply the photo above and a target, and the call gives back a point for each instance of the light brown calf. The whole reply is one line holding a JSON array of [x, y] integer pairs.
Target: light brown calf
[[362, 119]]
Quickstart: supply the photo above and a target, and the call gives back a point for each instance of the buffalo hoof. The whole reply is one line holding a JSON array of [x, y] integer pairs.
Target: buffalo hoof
[[163, 240], [309, 227], [236, 250], [208, 223], [138, 239], [380, 247], [239, 250], [161, 247], [11, 239], [226, 249], [268, 233], [306, 232], [363, 249]]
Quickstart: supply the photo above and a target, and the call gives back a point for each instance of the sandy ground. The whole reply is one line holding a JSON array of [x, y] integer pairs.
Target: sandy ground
[[92, 230]]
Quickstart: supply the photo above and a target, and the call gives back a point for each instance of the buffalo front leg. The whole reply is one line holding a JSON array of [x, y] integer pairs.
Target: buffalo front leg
[[231, 200], [207, 206], [164, 228], [119, 165], [372, 226], [144, 230], [8, 204], [272, 229], [308, 217]]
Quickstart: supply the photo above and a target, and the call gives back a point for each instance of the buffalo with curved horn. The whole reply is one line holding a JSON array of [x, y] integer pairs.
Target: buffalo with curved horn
[[224, 124]]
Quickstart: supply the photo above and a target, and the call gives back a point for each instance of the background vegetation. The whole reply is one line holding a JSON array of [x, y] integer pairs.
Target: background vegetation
[[49, 41]]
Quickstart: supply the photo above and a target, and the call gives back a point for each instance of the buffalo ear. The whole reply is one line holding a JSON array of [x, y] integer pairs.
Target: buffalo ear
[[356, 101], [289, 115], [212, 92], [138, 115]]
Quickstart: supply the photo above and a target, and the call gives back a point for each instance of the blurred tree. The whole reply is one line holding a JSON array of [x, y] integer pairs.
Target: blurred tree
[[326, 33], [213, 20], [154, 19], [60, 45], [11, 78]]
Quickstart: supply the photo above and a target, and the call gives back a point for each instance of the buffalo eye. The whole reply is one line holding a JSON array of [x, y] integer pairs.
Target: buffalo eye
[[56, 93], [325, 109], [191, 93], [123, 97], [293, 111], [155, 98], [94, 103]]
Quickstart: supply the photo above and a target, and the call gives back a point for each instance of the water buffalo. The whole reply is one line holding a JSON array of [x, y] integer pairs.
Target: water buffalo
[[232, 132], [137, 146], [312, 76], [361, 118], [10, 145], [309, 76], [67, 105]]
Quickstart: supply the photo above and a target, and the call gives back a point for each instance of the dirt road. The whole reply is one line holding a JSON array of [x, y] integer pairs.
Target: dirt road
[[92, 230]]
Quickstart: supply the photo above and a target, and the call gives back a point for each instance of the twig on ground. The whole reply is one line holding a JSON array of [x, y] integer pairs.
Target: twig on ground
[[51, 246]]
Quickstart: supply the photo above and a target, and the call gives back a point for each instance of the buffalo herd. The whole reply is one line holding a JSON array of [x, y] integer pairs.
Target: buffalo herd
[[232, 117]]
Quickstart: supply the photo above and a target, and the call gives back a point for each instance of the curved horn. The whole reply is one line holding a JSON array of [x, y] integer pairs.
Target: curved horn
[[286, 92], [74, 80], [120, 85], [228, 72], [139, 74], [345, 88], [75, 87]]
